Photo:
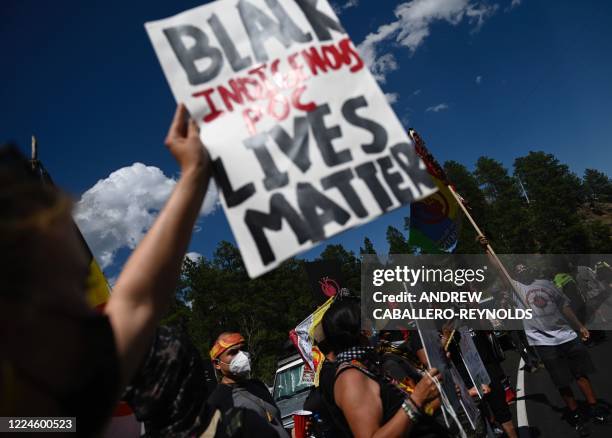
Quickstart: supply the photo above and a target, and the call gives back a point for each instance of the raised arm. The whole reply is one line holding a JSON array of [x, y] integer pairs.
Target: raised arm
[[149, 278]]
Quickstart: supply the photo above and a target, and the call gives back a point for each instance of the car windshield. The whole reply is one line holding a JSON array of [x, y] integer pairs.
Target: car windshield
[[289, 382]]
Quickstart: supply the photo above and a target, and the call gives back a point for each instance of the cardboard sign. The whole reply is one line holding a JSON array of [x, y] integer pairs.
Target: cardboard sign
[[303, 142], [472, 361], [436, 357], [469, 407]]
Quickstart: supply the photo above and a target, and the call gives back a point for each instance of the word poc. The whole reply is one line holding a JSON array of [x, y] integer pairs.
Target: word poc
[[304, 143]]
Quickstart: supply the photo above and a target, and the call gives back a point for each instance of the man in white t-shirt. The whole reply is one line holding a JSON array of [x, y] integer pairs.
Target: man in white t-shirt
[[553, 333], [553, 317]]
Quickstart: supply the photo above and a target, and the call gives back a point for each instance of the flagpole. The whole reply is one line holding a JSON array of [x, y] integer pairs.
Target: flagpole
[[489, 249]]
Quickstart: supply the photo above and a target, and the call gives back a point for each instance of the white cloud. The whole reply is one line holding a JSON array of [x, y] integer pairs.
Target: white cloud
[[352, 3], [383, 65], [117, 211], [368, 47], [392, 97], [417, 92], [437, 108], [338, 8], [513, 4], [193, 256], [479, 13], [478, 79], [412, 26]]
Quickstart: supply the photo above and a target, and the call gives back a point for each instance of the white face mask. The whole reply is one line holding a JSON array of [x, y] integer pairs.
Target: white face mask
[[240, 364]]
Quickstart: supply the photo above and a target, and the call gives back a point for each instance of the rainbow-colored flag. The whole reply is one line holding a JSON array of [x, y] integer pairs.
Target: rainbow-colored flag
[[436, 220]]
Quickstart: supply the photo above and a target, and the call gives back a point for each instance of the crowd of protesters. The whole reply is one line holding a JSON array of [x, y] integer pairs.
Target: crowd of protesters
[[370, 384]]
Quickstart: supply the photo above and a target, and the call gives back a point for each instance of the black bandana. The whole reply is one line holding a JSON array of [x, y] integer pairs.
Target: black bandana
[[353, 353]]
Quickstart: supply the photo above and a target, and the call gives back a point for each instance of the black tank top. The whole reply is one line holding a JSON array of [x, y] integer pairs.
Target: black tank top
[[391, 398]]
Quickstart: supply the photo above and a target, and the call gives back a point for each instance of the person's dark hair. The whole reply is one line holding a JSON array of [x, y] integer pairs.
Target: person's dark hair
[[29, 210], [342, 324], [324, 347]]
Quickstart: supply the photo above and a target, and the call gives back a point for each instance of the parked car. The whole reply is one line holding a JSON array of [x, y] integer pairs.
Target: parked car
[[290, 389]]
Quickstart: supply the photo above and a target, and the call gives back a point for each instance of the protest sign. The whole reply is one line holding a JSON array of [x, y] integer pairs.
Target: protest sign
[[469, 407], [451, 404], [472, 361], [303, 142], [436, 357]]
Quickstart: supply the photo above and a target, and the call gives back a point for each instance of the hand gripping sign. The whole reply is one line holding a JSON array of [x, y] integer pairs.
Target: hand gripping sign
[[303, 142]]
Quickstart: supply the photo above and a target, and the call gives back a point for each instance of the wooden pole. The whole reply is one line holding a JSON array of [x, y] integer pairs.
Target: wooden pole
[[448, 341], [489, 248], [436, 170]]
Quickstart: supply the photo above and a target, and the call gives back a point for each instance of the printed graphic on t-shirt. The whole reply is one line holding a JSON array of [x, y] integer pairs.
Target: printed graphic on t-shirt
[[542, 301]]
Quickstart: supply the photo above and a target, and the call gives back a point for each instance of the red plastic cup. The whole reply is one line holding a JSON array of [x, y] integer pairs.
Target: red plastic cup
[[300, 419]]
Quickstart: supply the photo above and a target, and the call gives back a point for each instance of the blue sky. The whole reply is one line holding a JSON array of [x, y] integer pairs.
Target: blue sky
[[497, 78]]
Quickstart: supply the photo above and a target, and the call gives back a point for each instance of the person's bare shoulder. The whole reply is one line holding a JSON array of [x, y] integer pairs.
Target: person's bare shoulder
[[352, 384]]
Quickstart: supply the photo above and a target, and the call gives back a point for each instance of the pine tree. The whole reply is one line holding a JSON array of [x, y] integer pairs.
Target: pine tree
[[368, 247], [509, 221], [599, 237], [351, 265], [555, 194], [398, 244], [597, 185]]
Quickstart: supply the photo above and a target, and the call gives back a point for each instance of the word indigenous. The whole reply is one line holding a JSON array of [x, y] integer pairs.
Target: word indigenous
[[268, 84]]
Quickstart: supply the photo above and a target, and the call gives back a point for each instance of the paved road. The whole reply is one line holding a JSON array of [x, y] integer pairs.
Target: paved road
[[542, 405]]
